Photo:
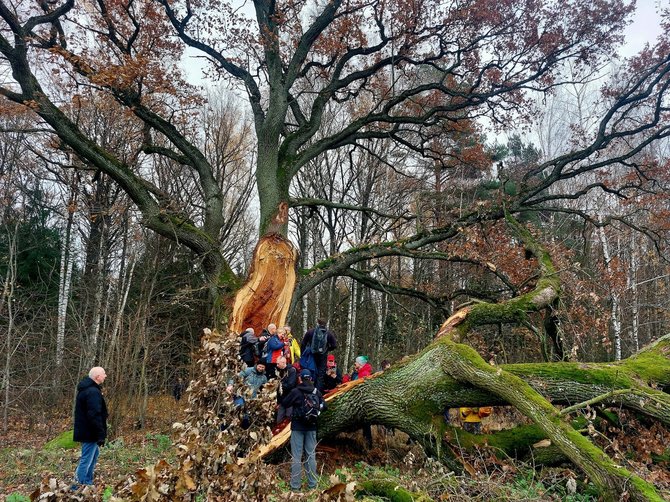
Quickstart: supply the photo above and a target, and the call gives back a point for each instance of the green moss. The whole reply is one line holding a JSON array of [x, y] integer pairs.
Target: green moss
[[610, 417], [188, 225], [579, 422], [63, 440], [646, 490], [228, 280], [650, 366], [606, 375], [489, 313], [390, 490], [510, 442]]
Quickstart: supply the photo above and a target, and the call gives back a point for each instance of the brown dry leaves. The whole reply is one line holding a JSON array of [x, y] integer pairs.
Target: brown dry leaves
[[212, 439]]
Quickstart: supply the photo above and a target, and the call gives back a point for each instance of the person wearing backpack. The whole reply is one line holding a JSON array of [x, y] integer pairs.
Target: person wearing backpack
[[248, 347], [321, 341], [265, 335], [307, 403]]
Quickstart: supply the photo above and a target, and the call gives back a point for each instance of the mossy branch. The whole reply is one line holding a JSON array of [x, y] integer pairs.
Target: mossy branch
[[598, 399], [464, 364]]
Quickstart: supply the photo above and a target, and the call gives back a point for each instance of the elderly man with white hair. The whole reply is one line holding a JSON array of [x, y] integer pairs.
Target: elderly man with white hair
[[90, 424]]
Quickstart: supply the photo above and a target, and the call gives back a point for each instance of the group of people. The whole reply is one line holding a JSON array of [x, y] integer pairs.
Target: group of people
[[275, 351], [305, 371]]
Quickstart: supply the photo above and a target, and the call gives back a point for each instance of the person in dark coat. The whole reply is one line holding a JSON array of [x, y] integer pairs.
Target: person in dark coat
[[288, 379], [303, 434], [333, 376], [319, 359], [249, 347], [90, 424]]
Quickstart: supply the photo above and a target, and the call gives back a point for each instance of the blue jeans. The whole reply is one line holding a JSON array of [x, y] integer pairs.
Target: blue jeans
[[303, 440], [89, 456]]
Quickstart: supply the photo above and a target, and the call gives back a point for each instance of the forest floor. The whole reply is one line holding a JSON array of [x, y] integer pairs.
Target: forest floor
[[25, 464]]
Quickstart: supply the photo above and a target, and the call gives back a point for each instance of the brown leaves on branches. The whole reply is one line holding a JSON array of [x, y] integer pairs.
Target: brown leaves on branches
[[212, 439]]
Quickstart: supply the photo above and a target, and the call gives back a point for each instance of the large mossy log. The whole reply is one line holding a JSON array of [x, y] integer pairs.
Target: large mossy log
[[418, 388], [413, 395]]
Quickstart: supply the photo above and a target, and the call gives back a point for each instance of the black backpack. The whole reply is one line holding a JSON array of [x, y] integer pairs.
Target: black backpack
[[309, 410], [320, 340], [247, 349]]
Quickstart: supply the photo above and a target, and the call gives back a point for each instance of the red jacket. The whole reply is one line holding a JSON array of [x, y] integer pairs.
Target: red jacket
[[364, 371]]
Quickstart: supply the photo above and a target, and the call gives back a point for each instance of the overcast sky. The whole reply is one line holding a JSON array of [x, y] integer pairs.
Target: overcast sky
[[645, 27]]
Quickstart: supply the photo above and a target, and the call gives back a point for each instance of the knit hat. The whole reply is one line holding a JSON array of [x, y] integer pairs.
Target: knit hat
[[306, 374], [331, 361], [362, 359]]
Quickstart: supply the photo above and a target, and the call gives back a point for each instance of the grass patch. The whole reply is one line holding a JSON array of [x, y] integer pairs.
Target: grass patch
[[22, 470], [63, 440]]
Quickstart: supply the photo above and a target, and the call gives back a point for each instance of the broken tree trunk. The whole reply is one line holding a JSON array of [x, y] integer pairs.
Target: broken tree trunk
[[266, 296], [412, 397]]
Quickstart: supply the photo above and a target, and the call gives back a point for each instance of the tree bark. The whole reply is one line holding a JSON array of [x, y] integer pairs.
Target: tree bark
[[413, 395]]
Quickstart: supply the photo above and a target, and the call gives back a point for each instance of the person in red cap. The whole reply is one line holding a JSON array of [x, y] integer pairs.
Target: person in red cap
[[333, 376]]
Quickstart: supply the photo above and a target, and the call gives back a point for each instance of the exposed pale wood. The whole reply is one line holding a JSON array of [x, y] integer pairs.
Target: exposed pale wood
[[452, 322], [266, 296]]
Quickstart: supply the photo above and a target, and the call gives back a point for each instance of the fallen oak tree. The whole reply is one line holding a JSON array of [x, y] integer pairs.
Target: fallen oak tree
[[413, 395], [392, 398]]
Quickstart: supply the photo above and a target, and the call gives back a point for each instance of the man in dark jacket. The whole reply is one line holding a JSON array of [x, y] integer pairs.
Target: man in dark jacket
[[320, 356], [90, 423], [303, 432]]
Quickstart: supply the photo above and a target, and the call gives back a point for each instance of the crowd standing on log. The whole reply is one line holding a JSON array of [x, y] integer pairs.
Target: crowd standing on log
[[305, 371], [90, 424]]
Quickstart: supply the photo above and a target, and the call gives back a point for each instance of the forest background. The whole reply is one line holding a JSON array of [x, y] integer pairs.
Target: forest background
[[86, 282]]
